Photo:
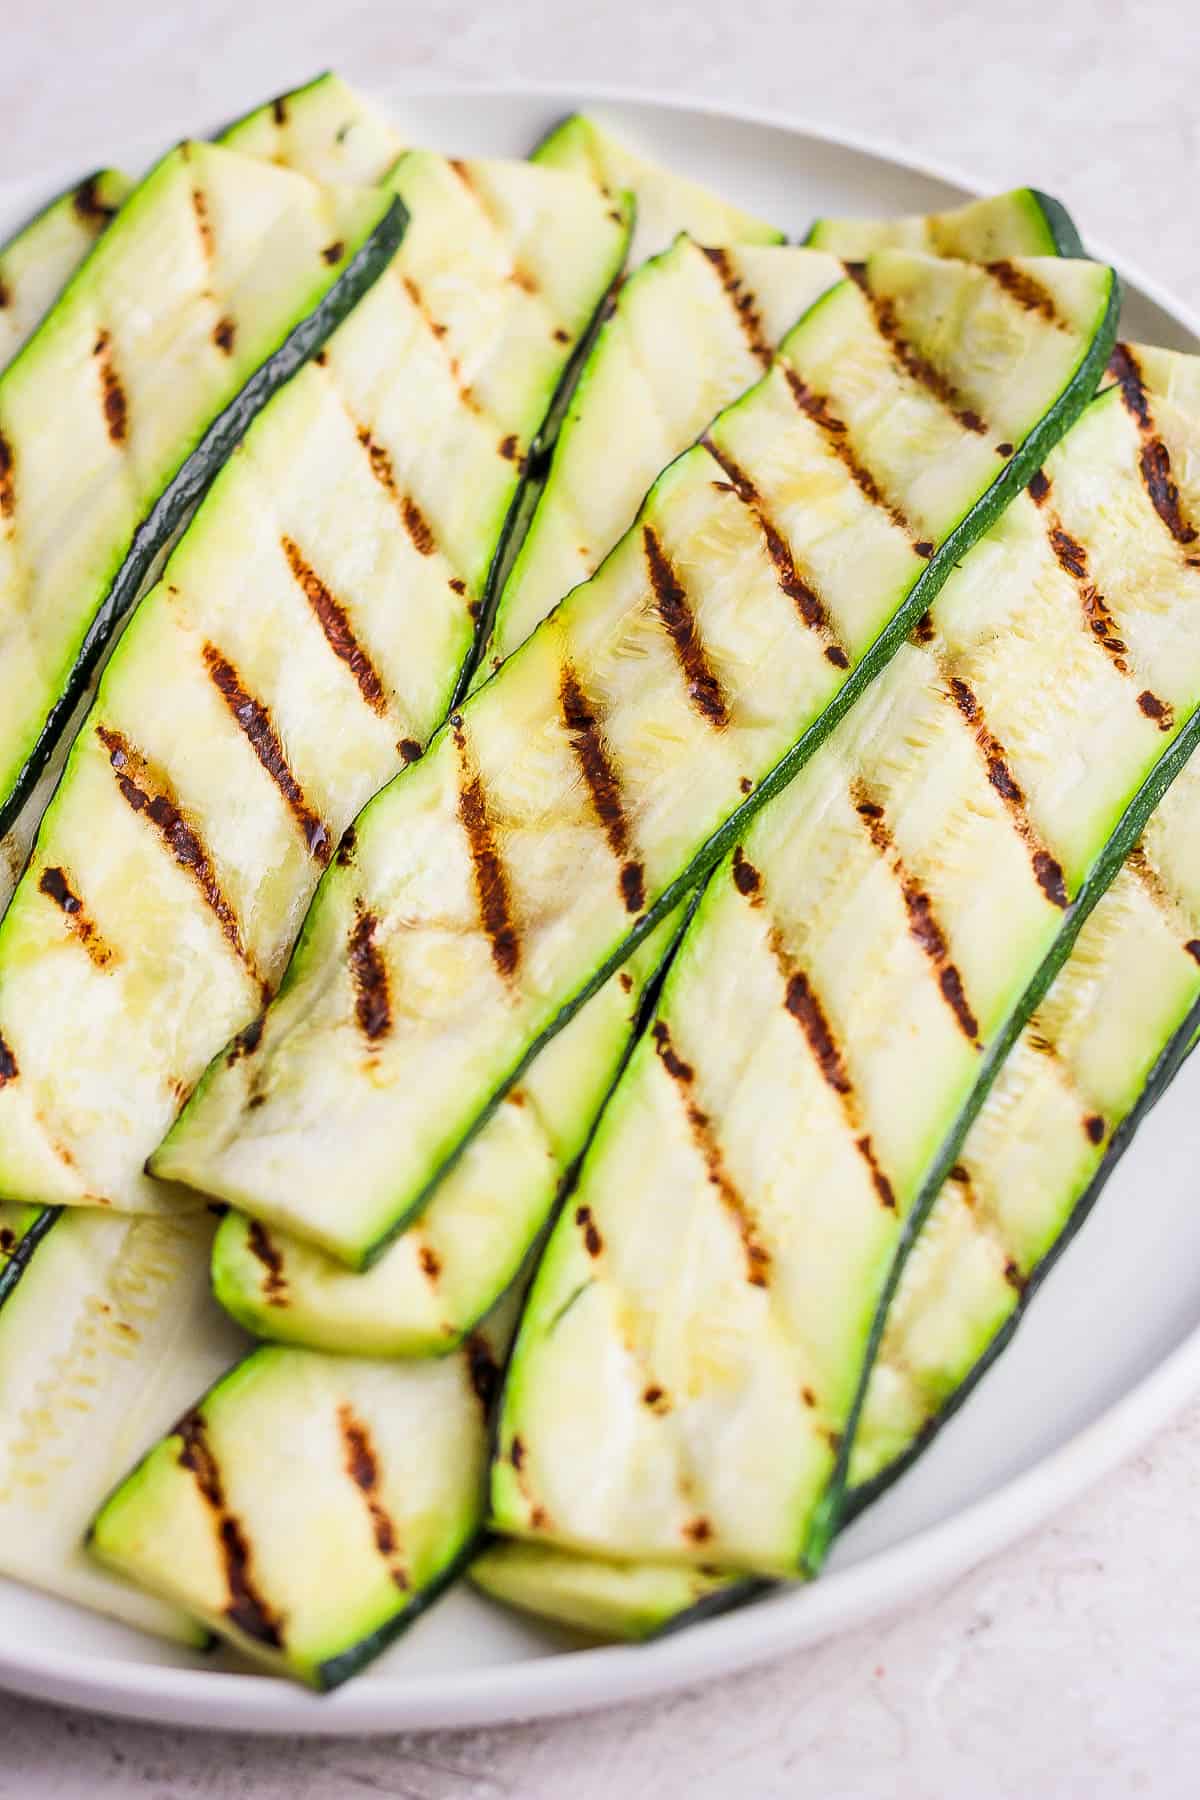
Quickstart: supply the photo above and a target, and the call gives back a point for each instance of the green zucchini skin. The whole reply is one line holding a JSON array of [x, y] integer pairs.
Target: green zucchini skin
[[832, 1511], [182, 1158], [1023, 222], [15, 1259], [183, 491], [1170, 1060]]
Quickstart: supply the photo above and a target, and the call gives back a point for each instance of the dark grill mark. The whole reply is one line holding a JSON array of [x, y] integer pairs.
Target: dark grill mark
[[254, 721], [279, 110], [1102, 627], [409, 750], [1156, 709], [746, 878], [335, 623], [561, 336], [88, 204], [224, 333], [112, 394], [246, 1042], [150, 793], [1014, 1277], [916, 366], [262, 1246], [626, 981], [879, 1180], [516, 1454], [704, 689], [1026, 291], [593, 1243], [509, 448], [333, 253], [347, 847], [1004, 449], [247, 1609], [807, 601], [1193, 949], [742, 301], [585, 730], [758, 1257], [55, 886], [491, 877], [655, 1397], [1155, 460], [8, 1238], [1095, 1128], [368, 972], [1071, 555], [923, 924], [805, 1007], [5, 294], [1047, 871], [415, 522], [484, 1373], [362, 1466], [816, 407], [7, 490], [203, 222], [1039, 487], [8, 1064], [430, 1261]]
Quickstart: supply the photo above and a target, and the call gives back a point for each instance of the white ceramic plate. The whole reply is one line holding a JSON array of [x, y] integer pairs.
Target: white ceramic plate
[[1109, 1350]]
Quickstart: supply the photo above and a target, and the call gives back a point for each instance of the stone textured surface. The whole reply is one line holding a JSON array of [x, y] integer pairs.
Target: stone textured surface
[[1068, 1667]]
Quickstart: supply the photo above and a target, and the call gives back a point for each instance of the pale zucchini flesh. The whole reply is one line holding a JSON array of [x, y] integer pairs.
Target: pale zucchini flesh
[[106, 1333], [603, 1599], [357, 524], [1023, 222], [217, 278], [325, 130], [766, 581], [858, 970], [38, 261], [667, 203], [308, 1508]]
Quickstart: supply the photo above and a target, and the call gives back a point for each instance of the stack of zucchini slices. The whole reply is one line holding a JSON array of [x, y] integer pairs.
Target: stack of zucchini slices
[[599, 827]]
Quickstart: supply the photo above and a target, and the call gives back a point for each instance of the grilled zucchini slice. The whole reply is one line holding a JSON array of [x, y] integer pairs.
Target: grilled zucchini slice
[[310, 1507], [212, 779], [107, 1330], [853, 980], [610, 762], [603, 1598], [38, 261], [218, 277], [667, 203], [325, 130], [1024, 222]]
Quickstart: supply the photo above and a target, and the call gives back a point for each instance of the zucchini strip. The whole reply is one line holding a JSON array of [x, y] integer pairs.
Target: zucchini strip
[[511, 871], [324, 130], [357, 524], [107, 1330], [37, 262], [603, 1598], [1024, 222], [309, 1508], [667, 203], [150, 366], [855, 976]]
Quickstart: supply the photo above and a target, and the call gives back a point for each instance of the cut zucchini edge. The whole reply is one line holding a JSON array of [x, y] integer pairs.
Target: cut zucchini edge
[[187, 486], [15, 1259], [830, 1511], [951, 233]]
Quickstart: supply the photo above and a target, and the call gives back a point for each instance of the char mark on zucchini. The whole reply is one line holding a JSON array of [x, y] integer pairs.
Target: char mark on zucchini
[[203, 222], [8, 1064], [923, 924], [1046, 868], [415, 523], [758, 1256], [88, 204], [1101, 626], [487, 865], [225, 334], [742, 302], [8, 495], [602, 780], [362, 1466], [1155, 460], [1027, 291], [254, 721], [808, 602], [814, 406], [263, 1247], [368, 972], [246, 1608], [112, 394], [746, 878], [910, 360], [54, 884], [335, 623], [149, 793], [674, 609]]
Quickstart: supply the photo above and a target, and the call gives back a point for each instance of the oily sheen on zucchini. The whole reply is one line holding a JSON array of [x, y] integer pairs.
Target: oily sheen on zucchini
[[1024, 222], [38, 261], [667, 203], [107, 1331], [308, 1507], [853, 980], [212, 779], [602, 771], [218, 277]]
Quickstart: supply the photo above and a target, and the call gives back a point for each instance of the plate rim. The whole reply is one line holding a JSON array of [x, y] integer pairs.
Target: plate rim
[[588, 1679]]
